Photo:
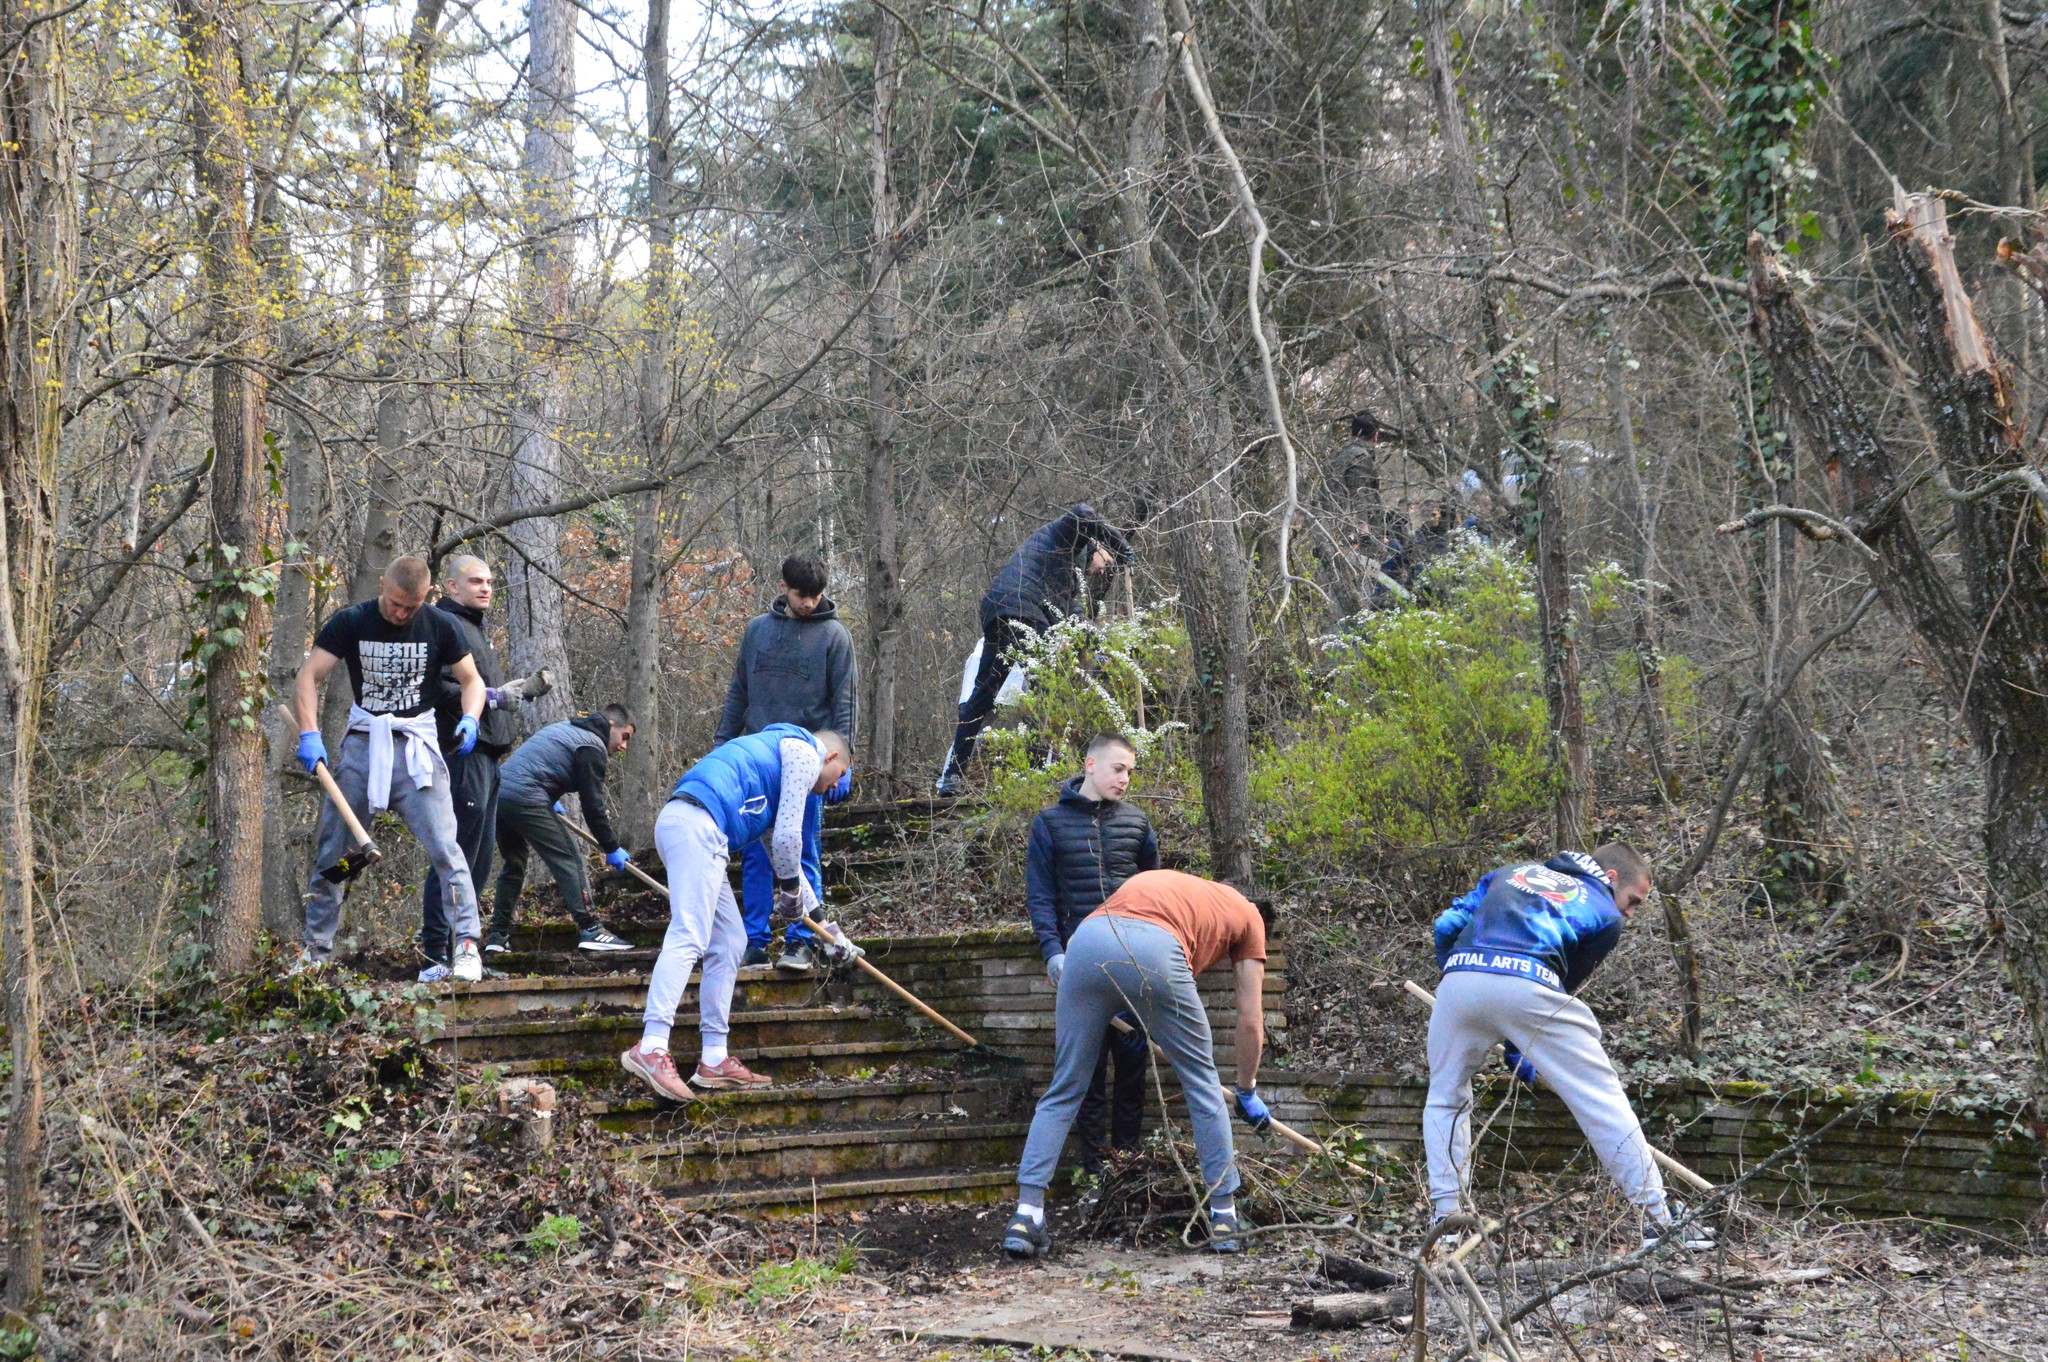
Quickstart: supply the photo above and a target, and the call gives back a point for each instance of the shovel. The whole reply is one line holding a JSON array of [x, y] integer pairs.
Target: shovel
[[365, 853], [976, 1051], [1664, 1161]]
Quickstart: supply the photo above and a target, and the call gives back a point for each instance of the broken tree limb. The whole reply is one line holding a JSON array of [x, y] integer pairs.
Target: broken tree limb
[[1348, 1309], [1664, 1161]]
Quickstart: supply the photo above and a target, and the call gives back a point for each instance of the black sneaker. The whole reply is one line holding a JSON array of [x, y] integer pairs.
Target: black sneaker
[[755, 956], [598, 939], [798, 957], [1698, 1237], [1223, 1229], [498, 945], [1024, 1237]]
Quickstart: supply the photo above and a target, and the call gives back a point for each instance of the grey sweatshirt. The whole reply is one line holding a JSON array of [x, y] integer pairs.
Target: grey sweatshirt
[[792, 671]]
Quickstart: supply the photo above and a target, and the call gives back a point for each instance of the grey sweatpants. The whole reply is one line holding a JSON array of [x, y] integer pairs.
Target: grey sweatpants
[[1114, 963], [430, 813], [1557, 1034]]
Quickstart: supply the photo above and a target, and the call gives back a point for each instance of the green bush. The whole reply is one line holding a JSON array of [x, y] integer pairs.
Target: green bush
[[1430, 740]]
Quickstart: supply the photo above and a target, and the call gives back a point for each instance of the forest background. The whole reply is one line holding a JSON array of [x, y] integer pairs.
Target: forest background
[[1424, 349]]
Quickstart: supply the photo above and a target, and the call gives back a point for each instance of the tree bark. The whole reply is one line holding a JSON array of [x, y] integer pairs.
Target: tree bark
[[286, 842], [536, 612], [1990, 654], [38, 284], [238, 606], [642, 764], [880, 522], [397, 217]]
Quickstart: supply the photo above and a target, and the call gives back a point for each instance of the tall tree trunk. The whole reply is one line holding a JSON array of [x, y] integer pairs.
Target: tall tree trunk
[[397, 219], [1510, 417], [880, 523], [238, 612], [1192, 443], [642, 765], [286, 842], [38, 282], [537, 605], [1648, 509]]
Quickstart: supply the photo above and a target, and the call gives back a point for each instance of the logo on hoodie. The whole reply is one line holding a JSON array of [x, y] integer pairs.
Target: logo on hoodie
[[1553, 887]]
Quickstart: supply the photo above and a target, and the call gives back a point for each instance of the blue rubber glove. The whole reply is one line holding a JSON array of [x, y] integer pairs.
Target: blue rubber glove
[[559, 810], [312, 751], [840, 790], [1253, 1108], [465, 734], [616, 858], [1511, 1060]]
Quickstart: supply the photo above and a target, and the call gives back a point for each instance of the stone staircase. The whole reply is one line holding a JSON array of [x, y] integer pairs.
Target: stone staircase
[[871, 1103]]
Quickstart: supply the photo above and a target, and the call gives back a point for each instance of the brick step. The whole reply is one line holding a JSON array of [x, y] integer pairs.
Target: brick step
[[692, 1163], [853, 1192], [839, 1102], [517, 995], [754, 1031]]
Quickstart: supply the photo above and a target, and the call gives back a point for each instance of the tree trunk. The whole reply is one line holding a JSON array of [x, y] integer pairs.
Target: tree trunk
[[287, 841], [880, 524], [2016, 866], [38, 283], [397, 219], [536, 612], [1192, 441], [238, 605], [1569, 745], [1649, 655], [642, 764]]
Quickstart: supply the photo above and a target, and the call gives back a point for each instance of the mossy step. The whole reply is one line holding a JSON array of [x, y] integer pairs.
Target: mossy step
[[848, 1193], [828, 1103], [598, 1062], [510, 995], [684, 1165], [754, 1031]]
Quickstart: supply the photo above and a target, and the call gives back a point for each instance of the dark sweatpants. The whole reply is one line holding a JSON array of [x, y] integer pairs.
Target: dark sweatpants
[[473, 782], [1125, 1100], [999, 636], [526, 828]]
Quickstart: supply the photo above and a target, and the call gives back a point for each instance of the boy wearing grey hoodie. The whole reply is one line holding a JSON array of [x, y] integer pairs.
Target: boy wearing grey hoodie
[[795, 666]]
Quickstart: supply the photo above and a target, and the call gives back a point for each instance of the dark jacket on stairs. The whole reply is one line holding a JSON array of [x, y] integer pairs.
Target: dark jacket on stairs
[[1080, 852]]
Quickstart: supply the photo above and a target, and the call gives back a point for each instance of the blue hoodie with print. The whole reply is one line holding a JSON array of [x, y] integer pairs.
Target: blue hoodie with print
[[1552, 923]]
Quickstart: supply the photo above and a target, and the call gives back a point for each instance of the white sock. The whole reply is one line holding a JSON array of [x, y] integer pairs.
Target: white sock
[[1035, 1214], [654, 1037], [714, 1052]]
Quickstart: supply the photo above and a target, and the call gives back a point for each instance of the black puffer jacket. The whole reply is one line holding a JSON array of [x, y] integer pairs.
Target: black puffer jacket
[[1039, 584], [1080, 852], [498, 729]]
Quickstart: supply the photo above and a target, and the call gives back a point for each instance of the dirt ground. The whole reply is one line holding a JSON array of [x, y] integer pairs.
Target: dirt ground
[[932, 1285]]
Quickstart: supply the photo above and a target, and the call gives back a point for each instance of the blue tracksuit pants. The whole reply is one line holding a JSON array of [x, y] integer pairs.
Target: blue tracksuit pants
[[757, 878]]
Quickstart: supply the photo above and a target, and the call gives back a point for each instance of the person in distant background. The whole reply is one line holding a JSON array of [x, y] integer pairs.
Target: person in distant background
[[1080, 851], [795, 666], [1040, 584]]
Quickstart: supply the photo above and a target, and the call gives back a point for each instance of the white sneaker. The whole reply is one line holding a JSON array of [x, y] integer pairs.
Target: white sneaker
[[307, 963], [469, 965], [433, 974]]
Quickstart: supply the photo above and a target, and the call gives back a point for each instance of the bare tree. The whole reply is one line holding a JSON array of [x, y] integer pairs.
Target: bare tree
[[537, 612], [212, 35], [39, 284]]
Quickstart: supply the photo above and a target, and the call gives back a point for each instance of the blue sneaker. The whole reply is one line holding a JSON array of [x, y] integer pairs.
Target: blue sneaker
[[1223, 1228], [1024, 1237]]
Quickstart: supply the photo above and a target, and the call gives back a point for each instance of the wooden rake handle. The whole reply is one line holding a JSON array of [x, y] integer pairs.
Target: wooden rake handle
[[860, 960], [348, 815], [1664, 1161]]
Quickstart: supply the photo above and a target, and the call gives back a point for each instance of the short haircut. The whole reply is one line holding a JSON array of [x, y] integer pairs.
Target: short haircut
[[1268, 909], [832, 742], [461, 565], [1622, 862], [804, 574], [409, 573], [1106, 739], [618, 716]]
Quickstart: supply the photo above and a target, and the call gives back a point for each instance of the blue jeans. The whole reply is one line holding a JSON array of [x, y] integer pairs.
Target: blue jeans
[[757, 879]]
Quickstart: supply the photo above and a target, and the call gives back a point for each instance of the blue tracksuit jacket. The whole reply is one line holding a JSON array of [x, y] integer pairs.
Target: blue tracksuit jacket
[[1553, 923]]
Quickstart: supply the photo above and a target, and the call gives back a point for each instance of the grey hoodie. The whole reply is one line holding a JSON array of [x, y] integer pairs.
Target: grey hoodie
[[792, 671]]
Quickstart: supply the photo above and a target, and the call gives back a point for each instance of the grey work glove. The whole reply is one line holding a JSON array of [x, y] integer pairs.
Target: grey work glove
[[527, 687], [836, 946], [1056, 966]]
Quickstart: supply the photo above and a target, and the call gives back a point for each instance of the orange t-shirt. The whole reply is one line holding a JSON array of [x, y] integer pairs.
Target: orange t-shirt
[[1212, 920]]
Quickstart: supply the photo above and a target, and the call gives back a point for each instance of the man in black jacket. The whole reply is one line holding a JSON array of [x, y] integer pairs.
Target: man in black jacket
[[1080, 851], [473, 778], [1040, 585], [795, 666], [562, 759]]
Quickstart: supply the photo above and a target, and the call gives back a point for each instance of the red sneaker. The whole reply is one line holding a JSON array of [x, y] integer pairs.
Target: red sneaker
[[730, 1073], [657, 1069]]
